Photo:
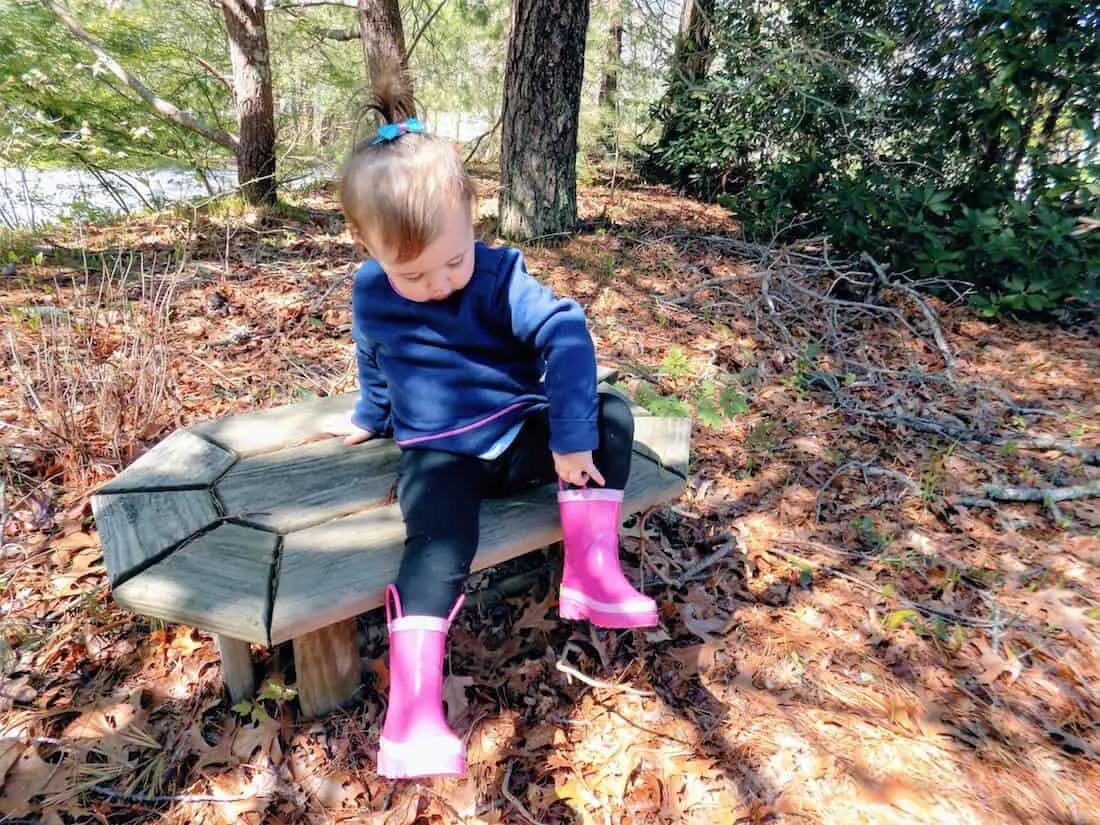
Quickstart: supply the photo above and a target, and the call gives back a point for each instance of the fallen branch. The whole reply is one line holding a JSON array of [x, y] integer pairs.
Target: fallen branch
[[929, 313], [120, 796], [1042, 495], [706, 563], [597, 683], [928, 610], [933, 427], [868, 469]]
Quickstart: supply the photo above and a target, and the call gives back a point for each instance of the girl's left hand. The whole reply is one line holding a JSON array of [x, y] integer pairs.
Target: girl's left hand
[[577, 469]]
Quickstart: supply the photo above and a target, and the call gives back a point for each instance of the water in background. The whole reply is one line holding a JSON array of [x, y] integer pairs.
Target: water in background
[[34, 198]]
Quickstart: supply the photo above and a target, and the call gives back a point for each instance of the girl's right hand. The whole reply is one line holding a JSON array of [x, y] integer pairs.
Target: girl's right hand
[[343, 425]]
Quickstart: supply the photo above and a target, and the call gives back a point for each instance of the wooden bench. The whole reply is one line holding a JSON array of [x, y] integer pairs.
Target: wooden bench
[[260, 528]]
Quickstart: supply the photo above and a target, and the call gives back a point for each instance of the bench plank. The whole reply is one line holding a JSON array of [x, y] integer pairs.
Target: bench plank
[[665, 439], [181, 460], [136, 528], [220, 582], [341, 568], [309, 484]]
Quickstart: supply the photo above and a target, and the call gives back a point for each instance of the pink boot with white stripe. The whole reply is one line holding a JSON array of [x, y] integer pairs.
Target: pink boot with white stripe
[[593, 586], [416, 739]]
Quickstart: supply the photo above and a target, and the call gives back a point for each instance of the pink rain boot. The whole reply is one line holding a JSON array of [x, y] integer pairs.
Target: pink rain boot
[[416, 739], [593, 586]]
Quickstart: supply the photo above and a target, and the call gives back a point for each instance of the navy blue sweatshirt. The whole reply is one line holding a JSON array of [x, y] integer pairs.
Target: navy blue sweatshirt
[[458, 374]]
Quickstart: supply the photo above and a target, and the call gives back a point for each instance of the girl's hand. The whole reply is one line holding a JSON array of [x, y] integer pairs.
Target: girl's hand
[[343, 425], [577, 469]]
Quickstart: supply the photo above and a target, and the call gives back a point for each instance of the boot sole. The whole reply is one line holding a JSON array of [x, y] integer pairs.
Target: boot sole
[[408, 760], [575, 607]]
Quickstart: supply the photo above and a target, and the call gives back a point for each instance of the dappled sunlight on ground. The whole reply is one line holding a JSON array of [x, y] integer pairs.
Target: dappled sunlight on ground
[[857, 624]]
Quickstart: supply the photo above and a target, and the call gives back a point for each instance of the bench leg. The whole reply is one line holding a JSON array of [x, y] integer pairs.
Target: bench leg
[[327, 663], [236, 667]]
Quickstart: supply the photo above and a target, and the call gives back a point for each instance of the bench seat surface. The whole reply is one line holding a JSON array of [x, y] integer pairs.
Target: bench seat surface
[[261, 528]]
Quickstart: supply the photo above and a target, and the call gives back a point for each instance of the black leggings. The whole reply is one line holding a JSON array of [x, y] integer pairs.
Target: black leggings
[[440, 495]]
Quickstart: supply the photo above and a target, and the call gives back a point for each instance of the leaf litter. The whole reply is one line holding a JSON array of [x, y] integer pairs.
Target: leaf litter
[[861, 621]]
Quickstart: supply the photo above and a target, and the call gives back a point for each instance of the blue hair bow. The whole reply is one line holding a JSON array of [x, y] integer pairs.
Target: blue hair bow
[[392, 131]]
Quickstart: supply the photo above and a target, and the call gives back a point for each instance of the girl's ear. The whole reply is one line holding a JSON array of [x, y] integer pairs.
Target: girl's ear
[[357, 238]]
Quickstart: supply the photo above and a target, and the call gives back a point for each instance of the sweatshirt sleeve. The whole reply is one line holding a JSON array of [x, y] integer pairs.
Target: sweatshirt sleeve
[[556, 329], [372, 410]]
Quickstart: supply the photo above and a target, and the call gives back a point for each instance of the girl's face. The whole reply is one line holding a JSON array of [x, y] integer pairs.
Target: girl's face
[[443, 267]]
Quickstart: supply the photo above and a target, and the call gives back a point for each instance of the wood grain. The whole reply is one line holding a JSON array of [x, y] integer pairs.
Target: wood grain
[[219, 582], [181, 460], [309, 484], [135, 528], [327, 664]]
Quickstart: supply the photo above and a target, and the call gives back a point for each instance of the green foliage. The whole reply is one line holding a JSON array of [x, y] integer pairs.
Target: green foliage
[[714, 401], [955, 141], [271, 691], [60, 105]]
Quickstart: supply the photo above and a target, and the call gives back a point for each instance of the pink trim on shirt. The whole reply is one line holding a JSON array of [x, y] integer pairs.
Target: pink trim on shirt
[[467, 428]]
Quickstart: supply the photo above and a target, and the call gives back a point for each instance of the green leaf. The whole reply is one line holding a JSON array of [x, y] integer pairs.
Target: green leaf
[[709, 414], [894, 620], [243, 707], [733, 402]]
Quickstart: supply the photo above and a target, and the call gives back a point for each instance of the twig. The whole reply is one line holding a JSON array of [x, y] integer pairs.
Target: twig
[[929, 313], [317, 304], [927, 425], [688, 294], [1048, 495], [868, 470], [597, 683], [707, 562], [504, 789], [146, 798]]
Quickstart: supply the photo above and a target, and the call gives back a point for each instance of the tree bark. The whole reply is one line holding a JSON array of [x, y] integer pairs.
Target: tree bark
[[253, 98], [690, 62], [383, 38], [693, 49], [609, 86], [542, 96]]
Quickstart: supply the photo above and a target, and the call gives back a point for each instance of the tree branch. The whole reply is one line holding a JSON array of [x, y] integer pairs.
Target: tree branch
[[225, 81], [340, 35], [301, 4], [162, 107], [423, 28]]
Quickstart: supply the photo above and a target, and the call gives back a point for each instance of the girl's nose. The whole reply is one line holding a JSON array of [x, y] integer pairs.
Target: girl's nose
[[440, 287]]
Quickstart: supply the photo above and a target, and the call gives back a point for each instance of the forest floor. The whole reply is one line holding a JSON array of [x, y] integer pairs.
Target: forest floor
[[879, 591]]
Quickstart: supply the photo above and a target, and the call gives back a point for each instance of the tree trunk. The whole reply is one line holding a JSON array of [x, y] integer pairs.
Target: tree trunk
[[609, 87], [690, 61], [383, 38], [542, 97], [694, 53], [253, 99]]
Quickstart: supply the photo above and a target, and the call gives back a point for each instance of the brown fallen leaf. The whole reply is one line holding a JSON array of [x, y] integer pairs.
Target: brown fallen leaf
[[454, 695], [31, 776]]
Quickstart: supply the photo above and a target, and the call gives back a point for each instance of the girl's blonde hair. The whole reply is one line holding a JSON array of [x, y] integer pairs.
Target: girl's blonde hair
[[397, 194]]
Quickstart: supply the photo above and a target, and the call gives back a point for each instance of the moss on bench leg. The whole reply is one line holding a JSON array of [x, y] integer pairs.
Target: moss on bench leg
[[237, 670], [327, 664]]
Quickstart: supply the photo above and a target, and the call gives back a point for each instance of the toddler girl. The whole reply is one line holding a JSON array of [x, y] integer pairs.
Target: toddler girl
[[487, 383]]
